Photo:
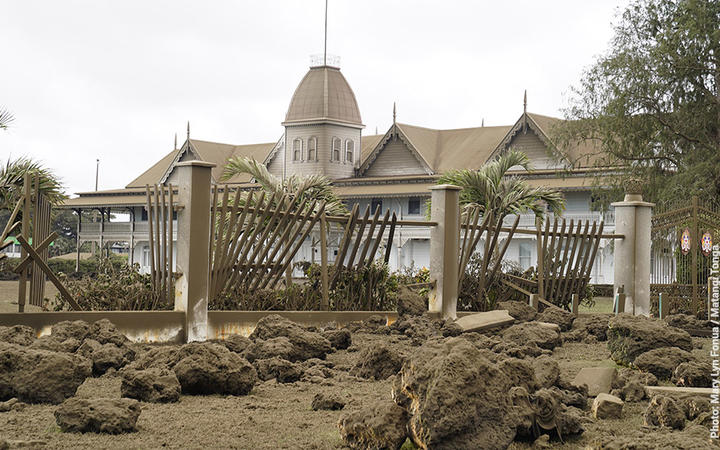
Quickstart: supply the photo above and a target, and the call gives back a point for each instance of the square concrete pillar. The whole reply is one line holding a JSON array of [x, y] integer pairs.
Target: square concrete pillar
[[445, 249], [193, 246], [632, 254]]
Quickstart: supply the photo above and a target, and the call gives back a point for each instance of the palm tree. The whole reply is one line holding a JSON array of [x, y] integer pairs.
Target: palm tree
[[12, 178], [492, 191], [301, 188], [5, 118]]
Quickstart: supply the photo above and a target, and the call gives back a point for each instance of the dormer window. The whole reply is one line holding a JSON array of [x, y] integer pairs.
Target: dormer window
[[336, 149], [312, 149], [297, 149], [349, 151]]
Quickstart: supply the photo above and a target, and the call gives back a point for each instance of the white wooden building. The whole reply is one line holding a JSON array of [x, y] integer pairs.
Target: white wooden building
[[323, 135]]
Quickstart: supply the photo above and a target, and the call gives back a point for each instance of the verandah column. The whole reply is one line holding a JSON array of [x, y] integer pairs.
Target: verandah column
[[632, 253], [445, 249], [193, 246]]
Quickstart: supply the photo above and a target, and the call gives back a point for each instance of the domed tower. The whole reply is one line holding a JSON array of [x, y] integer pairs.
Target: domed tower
[[323, 126]]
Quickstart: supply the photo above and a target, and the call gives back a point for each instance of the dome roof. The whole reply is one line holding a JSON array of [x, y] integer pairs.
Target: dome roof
[[323, 94]]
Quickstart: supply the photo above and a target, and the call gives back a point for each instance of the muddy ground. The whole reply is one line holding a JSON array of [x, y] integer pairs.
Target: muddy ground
[[278, 415]]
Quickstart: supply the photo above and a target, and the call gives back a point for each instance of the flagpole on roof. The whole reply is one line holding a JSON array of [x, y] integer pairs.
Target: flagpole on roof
[[325, 49]]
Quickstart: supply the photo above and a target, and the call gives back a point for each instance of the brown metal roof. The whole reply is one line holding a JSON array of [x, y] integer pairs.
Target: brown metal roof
[[323, 94]]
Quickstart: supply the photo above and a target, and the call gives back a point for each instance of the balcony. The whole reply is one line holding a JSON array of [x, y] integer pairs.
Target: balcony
[[117, 230]]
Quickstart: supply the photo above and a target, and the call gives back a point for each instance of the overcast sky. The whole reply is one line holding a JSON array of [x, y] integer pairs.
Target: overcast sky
[[115, 80]]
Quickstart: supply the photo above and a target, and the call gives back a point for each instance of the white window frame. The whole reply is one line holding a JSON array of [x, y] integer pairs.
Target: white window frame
[[336, 140], [297, 151], [312, 147], [349, 150]]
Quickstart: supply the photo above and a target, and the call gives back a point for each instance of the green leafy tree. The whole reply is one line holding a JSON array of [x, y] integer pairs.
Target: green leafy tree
[[652, 102], [492, 190], [312, 187]]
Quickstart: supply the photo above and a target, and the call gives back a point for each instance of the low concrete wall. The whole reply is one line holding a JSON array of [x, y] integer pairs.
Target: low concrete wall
[[224, 323], [138, 326], [169, 326]]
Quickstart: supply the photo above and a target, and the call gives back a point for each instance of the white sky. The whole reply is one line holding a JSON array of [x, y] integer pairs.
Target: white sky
[[116, 79]]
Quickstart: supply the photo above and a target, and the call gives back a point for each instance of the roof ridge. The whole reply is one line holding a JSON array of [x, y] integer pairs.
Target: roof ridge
[[232, 145], [440, 130]]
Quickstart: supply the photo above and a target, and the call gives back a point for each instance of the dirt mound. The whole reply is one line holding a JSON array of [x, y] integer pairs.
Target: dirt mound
[[547, 371], [378, 362], [40, 376], [234, 342], [66, 329], [308, 344], [203, 368], [520, 311], [630, 336], [101, 415], [595, 325], [449, 404], [56, 344], [692, 374], [282, 370], [327, 401], [153, 385], [417, 328], [530, 333], [279, 347], [382, 425], [689, 323], [661, 362], [17, 334], [664, 411], [410, 303], [339, 339], [106, 356], [105, 332], [629, 385], [564, 319]]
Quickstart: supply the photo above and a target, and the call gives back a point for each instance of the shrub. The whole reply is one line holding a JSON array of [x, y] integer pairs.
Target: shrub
[[112, 287], [371, 288]]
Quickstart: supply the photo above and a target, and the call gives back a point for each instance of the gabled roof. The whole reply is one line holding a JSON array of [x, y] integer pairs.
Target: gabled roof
[[213, 152], [581, 153], [441, 150]]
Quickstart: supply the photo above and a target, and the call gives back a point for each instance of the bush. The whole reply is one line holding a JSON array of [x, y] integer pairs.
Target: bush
[[88, 267], [372, 288], [112, 287]]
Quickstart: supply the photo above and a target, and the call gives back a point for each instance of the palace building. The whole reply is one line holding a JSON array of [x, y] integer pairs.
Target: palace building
[[323, 134]]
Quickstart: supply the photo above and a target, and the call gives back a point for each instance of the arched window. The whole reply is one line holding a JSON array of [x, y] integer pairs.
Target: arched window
[[336, 149], [312, 149], [297, 149], [349, 151]]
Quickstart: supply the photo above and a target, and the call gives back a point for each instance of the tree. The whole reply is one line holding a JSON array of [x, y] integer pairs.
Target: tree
[[491, 189], [12, 179], [312, 187], [5, 118], [652, 102]]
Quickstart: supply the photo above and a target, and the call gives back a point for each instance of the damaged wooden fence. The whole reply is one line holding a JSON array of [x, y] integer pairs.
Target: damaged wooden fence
[[35, 210], [565, 257], [160, 208]]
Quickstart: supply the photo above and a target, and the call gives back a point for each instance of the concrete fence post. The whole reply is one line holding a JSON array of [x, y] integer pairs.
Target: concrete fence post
[[193, 246], [445, 249], [632, 254]]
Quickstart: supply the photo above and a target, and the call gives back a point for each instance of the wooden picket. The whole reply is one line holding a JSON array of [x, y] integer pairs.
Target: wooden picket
[[160, 206]]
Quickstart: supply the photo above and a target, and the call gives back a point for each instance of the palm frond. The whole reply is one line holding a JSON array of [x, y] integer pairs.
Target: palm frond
[[12, 175], [5, 118], [491, 189]]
